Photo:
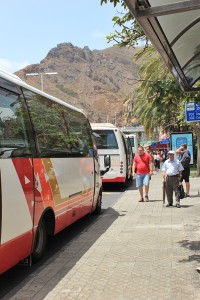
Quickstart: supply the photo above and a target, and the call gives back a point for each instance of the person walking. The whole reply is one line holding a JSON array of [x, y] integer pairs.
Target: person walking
[[184, 157], [147, 149], [172, 172], [143, 168], [157, 161]]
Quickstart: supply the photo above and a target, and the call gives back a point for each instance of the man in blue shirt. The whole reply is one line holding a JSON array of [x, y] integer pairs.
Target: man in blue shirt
[[172, 172]]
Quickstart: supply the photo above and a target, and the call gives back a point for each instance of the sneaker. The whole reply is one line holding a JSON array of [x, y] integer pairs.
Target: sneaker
[[178, 205], [187, 195], [146, 198]]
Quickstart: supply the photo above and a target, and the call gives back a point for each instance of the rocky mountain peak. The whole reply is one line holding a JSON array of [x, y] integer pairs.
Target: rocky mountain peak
[[97, 81]]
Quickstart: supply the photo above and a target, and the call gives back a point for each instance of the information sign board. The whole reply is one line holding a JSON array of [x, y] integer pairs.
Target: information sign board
[[192, 112], [178, 138]]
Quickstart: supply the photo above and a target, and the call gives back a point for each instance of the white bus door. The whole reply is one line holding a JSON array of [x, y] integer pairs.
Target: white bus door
[[16, 186], [16, 210]]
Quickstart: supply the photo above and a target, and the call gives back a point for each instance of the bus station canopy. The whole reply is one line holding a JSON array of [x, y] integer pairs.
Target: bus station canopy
[[173, 27]]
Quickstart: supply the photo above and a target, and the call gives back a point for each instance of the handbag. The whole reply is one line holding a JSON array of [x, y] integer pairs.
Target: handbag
[[181, 192]]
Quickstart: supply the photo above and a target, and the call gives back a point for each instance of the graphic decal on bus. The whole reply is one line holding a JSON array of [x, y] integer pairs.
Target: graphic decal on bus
[[50, 183]]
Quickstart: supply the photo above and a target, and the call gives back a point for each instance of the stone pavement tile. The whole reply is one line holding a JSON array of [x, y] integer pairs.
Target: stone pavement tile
[[147, 252]]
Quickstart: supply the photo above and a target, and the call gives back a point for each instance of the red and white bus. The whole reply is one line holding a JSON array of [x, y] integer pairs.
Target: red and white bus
[[49, 170]]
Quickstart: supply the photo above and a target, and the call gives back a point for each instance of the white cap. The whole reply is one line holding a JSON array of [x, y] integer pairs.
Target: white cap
[[171, 152]]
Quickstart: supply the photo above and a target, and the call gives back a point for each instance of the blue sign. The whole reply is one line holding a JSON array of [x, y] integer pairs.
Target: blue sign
[[166, 141], [178, 138], [192, 112]]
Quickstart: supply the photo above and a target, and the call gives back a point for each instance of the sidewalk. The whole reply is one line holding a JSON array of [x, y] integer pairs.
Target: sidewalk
[[133, 251]]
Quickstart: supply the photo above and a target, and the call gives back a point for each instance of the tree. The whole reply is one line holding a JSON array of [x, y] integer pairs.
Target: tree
[[159, 98], [131, 33], [161, 102]]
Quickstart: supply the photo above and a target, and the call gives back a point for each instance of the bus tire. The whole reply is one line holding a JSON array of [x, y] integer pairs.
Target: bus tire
[[40, 242], [97, 210]]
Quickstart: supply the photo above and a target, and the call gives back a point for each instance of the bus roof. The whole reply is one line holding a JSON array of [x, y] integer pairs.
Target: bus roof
[[103, 125], [16, 80]]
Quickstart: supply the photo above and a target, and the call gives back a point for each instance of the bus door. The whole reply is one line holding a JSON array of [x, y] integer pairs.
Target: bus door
[[97, 178], [16, 180], [129, 155]]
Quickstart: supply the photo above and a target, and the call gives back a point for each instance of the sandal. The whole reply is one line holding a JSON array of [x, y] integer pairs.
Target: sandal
[[146, 198], [141, 200]]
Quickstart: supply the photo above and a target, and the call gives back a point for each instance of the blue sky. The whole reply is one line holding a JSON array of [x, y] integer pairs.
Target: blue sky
[[30, 28]]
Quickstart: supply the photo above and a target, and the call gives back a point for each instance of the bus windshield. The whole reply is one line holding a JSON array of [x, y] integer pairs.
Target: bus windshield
[[105, 139]]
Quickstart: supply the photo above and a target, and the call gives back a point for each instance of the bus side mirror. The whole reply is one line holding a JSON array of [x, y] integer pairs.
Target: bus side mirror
[[106, 164]]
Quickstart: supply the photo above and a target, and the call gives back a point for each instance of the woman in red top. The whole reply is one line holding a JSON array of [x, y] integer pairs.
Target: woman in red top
[[143, 167]]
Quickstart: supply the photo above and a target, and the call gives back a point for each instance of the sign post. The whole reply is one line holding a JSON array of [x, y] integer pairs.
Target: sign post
[[192, 112]]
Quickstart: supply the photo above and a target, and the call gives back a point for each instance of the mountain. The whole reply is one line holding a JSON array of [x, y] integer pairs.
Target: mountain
[[97, 81]]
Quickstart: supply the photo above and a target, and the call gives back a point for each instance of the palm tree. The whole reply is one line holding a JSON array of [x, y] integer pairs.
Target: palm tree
[[160, 102]]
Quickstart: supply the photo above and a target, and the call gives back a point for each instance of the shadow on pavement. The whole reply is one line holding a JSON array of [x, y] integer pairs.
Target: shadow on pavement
[[69, 246], [117, 187], [185, 206], [191, 245], [194, 196], [157, 200]]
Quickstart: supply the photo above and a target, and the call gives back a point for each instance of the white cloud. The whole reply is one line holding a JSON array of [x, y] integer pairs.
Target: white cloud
[[11, 66]]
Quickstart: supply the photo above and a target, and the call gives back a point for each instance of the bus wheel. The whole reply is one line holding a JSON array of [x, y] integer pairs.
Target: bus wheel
[[40, 242], [98, 205]]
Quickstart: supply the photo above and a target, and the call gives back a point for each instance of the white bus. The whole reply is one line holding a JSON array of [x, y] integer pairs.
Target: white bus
[[110, 140], [49, 169]]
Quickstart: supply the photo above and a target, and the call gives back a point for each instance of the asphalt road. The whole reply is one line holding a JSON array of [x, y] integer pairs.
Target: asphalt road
[[113, 192]]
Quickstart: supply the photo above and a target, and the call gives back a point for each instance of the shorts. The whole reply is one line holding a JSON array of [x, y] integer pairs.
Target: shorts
[[185, 175], [142, 179]]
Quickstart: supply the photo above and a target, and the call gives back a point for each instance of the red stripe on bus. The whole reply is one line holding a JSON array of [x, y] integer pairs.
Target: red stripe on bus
[[15, 250], [116, 179]]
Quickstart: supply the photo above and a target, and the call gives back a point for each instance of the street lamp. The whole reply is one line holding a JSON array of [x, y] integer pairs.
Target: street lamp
[[115, 120], [41, 76]]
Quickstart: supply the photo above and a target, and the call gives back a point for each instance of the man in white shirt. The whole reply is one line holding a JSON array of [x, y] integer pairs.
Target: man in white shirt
[[172, 172]]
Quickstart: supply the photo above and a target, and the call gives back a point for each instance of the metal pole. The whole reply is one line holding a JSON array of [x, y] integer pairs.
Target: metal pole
[[41, 78]]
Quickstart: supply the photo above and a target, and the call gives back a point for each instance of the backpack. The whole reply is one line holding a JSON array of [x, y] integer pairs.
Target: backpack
[[185, 160]]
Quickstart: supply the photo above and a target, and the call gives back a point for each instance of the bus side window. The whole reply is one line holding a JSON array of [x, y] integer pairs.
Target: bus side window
[[59, 131]]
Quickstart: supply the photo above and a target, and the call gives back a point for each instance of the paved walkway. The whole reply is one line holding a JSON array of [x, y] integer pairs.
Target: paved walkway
[[133, 251]]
